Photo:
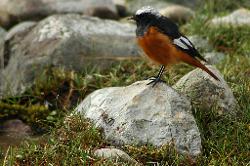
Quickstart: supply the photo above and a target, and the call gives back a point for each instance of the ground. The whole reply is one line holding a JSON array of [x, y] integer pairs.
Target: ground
[[225, 140]]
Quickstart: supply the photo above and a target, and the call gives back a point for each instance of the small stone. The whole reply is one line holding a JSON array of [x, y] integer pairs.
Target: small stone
[[15, 128], [140, 114], [13, 132], [206, 93], [178, 13], [240, 17], [113, 153]]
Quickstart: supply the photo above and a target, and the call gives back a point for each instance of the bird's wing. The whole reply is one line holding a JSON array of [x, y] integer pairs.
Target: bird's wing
[[184, 44], [180, 41]]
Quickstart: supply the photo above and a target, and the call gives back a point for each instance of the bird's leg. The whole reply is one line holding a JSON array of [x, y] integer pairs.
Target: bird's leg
[[155, 80]]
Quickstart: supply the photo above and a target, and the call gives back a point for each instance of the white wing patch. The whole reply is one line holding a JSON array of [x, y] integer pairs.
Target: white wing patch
[[183, 43]]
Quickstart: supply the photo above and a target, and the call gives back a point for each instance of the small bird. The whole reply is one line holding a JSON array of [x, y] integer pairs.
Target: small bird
[[163, 43]]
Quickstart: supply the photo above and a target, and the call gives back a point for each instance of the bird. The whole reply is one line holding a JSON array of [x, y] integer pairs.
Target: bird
[[162, 42]]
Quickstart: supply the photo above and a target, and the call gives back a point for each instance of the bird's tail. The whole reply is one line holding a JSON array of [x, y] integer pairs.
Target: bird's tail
[[203, 67], [197, 63]]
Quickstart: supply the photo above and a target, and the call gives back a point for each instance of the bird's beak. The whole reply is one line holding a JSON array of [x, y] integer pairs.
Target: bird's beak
[[131, 18]]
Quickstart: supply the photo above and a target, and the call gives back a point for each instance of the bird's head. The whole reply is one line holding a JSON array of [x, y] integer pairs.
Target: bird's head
[[145, 15]]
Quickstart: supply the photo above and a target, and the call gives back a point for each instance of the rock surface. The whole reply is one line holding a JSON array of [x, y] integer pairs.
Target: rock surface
[[2, 36], [239, 17], [139, 114], [206, 93], [113, 153], [68, 41], [178, 13], [18, 32], [10, 12], [20, 29]]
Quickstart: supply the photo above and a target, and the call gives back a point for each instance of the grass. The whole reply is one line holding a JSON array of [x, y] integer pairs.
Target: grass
[[72, 141]]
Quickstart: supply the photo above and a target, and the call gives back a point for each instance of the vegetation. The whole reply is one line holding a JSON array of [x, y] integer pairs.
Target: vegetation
[[72, 140]]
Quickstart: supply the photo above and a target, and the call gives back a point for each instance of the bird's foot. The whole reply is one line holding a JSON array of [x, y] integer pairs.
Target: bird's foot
[[155, 80]]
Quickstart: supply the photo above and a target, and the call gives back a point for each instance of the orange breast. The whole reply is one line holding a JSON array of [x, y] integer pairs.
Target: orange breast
[[159, 47]]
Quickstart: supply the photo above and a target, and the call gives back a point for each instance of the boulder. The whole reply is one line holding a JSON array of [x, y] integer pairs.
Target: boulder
[[69, 41], [140, 114], [207, 93], [114, 154], [240, 17], [10, 12], [178, 13]]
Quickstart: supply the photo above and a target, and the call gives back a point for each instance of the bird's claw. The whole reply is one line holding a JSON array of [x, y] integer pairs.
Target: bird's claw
[[155, 80]]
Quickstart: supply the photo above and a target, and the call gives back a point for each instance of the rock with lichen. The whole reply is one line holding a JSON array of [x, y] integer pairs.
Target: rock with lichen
[[140, 114], [69, 41], [207, 93]]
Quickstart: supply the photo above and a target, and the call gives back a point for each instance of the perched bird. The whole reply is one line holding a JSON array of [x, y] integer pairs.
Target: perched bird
[[162, 42]]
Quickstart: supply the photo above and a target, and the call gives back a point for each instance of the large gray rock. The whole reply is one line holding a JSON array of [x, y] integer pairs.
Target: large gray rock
[[2, 36], [115, 154], [207, 93], [239, 17], [12, 11], [140, 114], [68, 41]]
